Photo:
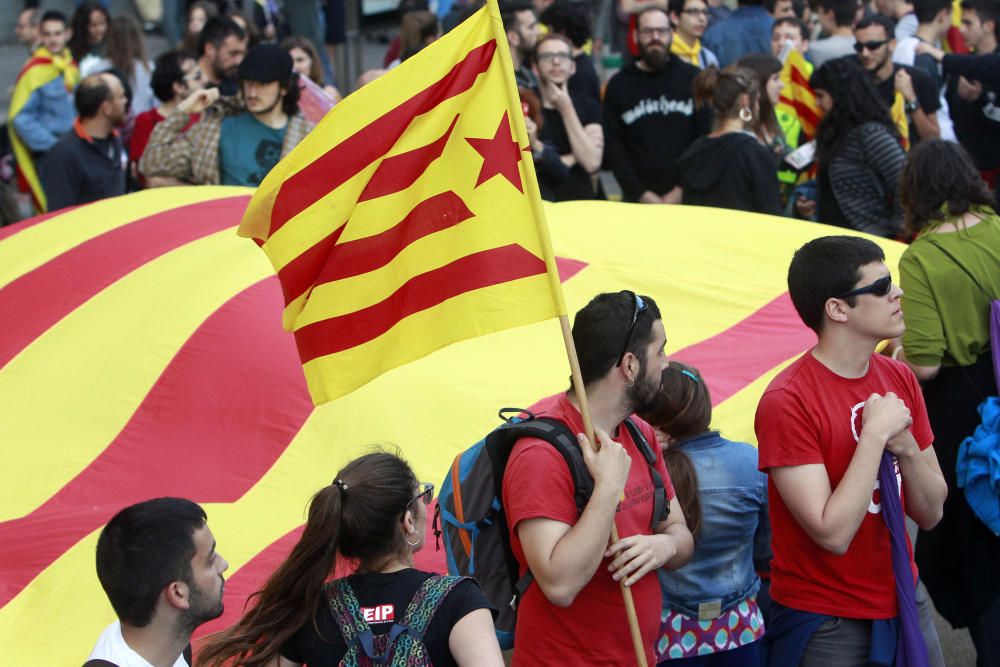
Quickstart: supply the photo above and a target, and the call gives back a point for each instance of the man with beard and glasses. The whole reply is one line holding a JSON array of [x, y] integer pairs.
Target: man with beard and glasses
[[874, 46], [576, 614], [649, 116], [157, 562], [221, 47], [238, 139]]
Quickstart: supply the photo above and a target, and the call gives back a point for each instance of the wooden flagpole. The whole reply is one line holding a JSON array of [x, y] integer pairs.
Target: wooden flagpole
[[534, 196]]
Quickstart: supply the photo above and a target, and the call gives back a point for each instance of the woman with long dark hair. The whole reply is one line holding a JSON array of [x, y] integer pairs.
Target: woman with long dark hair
[[372, 515], [712, 601], [125, 51], [765, 123], [949, 276], [857, 150], [90, 27], [729, 167]]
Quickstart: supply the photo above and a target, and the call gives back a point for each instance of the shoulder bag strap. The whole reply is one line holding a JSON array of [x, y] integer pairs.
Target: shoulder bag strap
[[661, 507]]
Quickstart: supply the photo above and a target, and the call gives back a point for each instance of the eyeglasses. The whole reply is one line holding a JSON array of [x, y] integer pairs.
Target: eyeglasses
[[640, 306], [425, 493], [646, 32], [554, 57], [880, 287], [695, 12], [873, 45]]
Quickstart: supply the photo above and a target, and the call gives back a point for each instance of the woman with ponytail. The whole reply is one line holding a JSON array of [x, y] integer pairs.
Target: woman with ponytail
[[371, 517], [724, 498], [730, 167]]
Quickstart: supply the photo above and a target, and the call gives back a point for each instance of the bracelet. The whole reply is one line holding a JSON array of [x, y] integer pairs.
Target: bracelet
[[895, 353]]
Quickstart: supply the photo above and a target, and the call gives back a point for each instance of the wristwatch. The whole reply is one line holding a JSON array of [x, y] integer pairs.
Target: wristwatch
[[910, 107]]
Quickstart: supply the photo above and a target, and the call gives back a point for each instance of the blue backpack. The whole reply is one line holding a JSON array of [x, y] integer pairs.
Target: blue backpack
[[471, 516]]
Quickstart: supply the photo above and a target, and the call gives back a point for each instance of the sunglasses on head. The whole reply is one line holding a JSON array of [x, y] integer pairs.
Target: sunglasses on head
[[425, 493], [639, 306], [871, 45], [880, 287]]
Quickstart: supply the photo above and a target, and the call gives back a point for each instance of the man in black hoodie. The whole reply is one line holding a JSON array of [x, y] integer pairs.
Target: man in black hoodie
[[649, 116]]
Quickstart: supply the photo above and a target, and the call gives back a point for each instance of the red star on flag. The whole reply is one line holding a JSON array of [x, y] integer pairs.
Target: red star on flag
[[500, 155]]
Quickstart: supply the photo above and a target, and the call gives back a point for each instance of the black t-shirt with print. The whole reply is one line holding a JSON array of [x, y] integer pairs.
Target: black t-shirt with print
[[376, 590]]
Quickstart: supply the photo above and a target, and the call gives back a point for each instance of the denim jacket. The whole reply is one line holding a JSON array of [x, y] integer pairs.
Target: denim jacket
[[734, 529], [48, 115]]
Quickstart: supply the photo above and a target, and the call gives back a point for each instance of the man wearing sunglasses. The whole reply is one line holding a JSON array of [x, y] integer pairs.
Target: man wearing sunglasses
[[875, 45], [576, 614], [842, 577]]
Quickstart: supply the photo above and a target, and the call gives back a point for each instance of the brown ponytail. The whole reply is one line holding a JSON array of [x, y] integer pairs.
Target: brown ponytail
[[683, 408], [356, 517], [721, 90]]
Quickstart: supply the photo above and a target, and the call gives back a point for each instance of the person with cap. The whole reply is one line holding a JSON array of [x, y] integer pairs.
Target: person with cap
[[238, 139]]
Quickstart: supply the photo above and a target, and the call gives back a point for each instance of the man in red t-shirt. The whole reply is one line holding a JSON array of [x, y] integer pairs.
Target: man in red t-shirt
[[575, 615], [822, 425]]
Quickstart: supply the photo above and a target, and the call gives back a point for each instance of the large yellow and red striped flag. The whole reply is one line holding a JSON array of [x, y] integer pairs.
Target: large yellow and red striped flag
[[410, 217], [797, 96]]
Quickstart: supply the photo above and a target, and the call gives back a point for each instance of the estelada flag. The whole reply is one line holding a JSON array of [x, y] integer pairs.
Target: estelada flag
[[409, 218], [797, 95], [42, 67]]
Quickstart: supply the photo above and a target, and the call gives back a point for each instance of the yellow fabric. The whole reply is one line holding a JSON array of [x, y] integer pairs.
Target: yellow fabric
[[31, 79], [68, 394], [691, 53], [502, 214], [898, 115]]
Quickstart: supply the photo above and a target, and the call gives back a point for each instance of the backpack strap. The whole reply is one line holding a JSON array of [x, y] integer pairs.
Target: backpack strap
[[426, 602], [346, 611], [661, 506]]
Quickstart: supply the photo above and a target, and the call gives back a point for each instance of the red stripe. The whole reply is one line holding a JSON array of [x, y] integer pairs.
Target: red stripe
[[300, 274], [42, 297], [369, 144], [472, 272], [774, 333], [336, 262], [208, 430], [35, 60], [399, 172]]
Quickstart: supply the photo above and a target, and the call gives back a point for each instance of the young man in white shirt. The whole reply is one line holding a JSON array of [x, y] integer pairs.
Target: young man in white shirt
[[157, 562]]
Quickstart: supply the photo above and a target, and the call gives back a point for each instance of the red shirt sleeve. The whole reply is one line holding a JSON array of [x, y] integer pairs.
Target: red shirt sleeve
[[785, 434], [144, 124], [537, 484], [921, 427]]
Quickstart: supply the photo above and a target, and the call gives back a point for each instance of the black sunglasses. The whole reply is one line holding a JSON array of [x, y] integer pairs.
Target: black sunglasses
[[425, 493], [880, 287], [871, 46], [640, 306]]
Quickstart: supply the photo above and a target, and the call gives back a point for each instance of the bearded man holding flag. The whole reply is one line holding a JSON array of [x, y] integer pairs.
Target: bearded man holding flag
[[41, 108]]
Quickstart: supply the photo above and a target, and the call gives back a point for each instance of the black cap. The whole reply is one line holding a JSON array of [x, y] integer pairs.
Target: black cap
[[266, 63]]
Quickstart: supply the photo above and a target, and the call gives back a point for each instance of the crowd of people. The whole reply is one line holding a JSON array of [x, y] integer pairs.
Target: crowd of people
[[793, 553]]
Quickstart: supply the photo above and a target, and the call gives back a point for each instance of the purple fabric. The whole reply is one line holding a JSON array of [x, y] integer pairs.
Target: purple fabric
[[995, 339], [910, 648]]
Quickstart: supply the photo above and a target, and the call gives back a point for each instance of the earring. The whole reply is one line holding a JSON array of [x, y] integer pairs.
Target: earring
[[630, 383], [746, 115], [416, 541]]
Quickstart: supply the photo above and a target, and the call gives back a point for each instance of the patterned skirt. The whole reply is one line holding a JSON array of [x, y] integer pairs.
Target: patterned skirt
[[682, 636]]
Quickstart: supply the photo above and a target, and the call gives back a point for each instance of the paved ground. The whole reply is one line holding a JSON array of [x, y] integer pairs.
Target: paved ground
[[958, 648]]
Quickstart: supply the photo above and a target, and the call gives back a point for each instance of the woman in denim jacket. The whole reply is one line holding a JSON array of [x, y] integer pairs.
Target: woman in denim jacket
[[711, 615]]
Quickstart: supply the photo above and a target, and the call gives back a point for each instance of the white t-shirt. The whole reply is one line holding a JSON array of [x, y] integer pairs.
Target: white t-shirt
[[111, 646]]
